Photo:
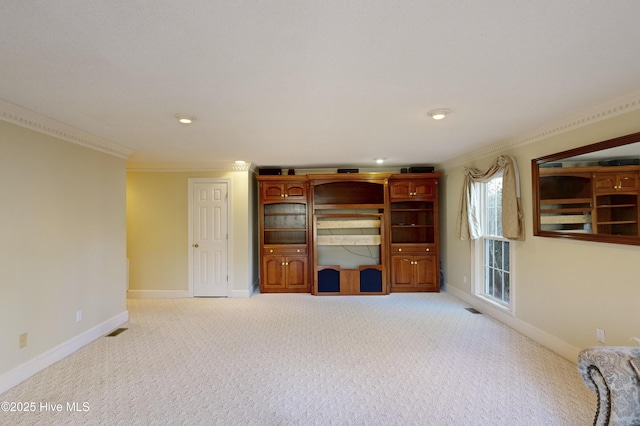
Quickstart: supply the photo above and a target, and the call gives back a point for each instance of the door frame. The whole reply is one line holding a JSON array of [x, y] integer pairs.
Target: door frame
[[191, 182]]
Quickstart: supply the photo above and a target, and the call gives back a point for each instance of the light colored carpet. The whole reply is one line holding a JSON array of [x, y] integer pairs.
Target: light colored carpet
[[402, 359]]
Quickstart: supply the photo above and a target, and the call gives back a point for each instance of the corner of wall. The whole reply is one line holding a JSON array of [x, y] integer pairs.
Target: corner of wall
[[42, 361]]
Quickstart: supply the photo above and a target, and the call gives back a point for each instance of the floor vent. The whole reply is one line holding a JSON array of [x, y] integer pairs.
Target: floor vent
[[116, 332], [473, 310]]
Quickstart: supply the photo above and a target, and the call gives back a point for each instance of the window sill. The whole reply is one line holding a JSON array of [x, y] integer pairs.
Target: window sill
[[496, 305]]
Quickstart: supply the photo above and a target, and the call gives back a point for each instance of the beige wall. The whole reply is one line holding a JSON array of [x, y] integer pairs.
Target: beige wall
[[63, 244], [157, 231], [564, 289]]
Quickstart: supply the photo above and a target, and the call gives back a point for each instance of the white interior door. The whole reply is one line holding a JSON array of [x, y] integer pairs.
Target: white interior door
[[210, 242]]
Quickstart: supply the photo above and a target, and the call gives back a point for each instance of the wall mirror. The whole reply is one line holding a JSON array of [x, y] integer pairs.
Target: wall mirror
[[589, 193]]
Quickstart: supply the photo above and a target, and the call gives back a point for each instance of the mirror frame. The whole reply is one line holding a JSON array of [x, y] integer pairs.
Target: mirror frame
[[535, 181]]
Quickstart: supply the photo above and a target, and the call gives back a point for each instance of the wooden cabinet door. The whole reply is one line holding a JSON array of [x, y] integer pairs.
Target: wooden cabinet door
[[284, 191], [295, 191], [615, 182], [273, 272], [425, 272], [412, 189], [424, 190], [273, 190], [296, 272], [627, 181], [400, 190], [414, 273], [401, 271]]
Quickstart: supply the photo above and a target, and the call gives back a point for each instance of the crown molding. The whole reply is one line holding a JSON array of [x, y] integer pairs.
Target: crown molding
[[617, 106], [190, 167], [31, 120]]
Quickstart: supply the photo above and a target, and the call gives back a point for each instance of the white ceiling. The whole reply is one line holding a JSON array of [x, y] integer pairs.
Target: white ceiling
[[313, 83]]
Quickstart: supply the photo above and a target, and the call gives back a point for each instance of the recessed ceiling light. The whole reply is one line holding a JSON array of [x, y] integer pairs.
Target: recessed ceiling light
[[240, 162], [380, 160], [439, 114], [185, 119]]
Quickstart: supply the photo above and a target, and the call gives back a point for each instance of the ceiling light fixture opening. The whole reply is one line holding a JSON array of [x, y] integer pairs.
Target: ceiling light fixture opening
[[380, 160], [185, 119], [439, 114]]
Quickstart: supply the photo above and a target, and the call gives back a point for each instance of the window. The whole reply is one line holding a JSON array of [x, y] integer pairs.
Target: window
[[493, 251]]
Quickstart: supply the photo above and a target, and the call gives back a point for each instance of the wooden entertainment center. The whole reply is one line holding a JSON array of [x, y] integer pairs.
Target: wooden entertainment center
[[349, 233]]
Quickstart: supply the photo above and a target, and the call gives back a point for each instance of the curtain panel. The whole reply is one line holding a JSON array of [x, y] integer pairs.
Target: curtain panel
[[469, 226]]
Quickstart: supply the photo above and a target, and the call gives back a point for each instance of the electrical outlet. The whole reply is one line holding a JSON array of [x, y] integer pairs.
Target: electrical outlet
[[600, 335], [78, 316], [23, 340]]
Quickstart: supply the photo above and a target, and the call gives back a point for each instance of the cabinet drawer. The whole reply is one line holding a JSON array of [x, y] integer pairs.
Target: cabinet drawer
[[285, 251], [413, 248]]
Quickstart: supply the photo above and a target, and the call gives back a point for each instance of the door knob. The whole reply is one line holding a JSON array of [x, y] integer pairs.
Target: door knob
[[196, 245]]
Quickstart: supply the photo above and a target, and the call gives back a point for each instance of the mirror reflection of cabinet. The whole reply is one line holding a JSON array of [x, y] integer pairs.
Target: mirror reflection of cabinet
[[590, 193], [616, 202], [566, 201]]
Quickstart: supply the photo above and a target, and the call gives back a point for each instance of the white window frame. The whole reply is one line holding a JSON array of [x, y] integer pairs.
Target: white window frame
[[478, 256]]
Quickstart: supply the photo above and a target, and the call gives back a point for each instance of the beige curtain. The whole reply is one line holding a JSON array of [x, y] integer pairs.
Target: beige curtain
[[469, 226]]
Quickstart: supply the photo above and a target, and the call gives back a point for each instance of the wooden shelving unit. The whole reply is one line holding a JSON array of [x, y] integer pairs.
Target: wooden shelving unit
[[348, 228], [284, 234], [414, 233], [349, 234]]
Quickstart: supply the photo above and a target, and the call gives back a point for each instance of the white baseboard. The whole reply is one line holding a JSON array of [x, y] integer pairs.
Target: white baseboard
[[24, 371], [157, 294], [547, 340], [177, 294], [241, 293]]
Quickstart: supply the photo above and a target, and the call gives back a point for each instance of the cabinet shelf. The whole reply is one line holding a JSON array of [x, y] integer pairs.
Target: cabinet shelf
[[566, 201], [613, 206], [565, 219], [567, 210], [285, 214], [410, 225], [617, 222], [348, 240], [348, 224], [345, 226], [413, 221], [347, 206], [411, 210]]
